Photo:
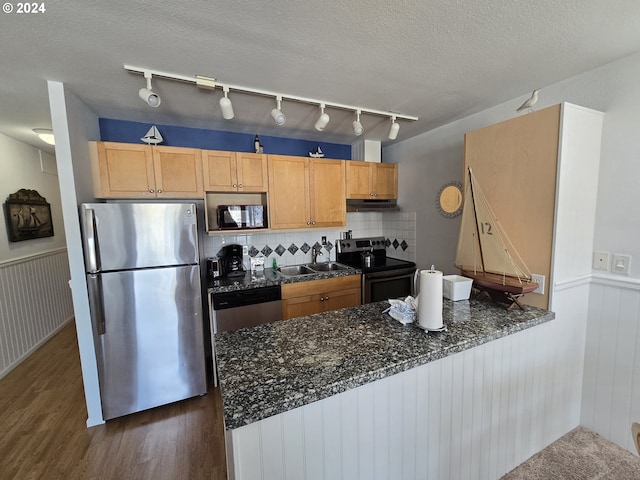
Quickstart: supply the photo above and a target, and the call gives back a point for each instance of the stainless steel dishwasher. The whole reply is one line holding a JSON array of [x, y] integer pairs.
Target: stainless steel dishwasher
[[242, 309]]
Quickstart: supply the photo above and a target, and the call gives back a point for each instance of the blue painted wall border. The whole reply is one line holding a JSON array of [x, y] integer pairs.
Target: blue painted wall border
[[112, 130]]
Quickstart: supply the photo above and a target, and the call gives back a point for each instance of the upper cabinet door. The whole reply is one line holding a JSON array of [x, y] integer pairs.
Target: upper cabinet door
[[289, 192], [219, 171], [375, 181], [252, 172], [358, 179], [384, 180], [122, 170], [328, 193], [178, 172]]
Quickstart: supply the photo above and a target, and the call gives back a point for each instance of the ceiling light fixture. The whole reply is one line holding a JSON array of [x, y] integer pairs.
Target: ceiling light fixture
[[212, 84], [225, 105], [46, 135], [277, 114], [394, 128], [152, 98], [323, 119], [357, 126]]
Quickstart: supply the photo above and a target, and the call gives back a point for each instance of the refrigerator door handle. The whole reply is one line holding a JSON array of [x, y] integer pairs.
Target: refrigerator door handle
[[96, 304], [90, 241]]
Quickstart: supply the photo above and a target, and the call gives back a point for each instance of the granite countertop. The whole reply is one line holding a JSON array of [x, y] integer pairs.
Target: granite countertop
[[273, 368], [269, 277]]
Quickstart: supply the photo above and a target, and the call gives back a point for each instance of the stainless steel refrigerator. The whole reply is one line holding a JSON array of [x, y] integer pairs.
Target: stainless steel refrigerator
[[143, 275]]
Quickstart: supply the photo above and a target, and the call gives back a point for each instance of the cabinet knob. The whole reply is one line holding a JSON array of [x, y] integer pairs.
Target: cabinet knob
[[326, 298], [159, 190], [235, 185], [313, 223], [371, 194], [375, 194], [309, 223], [322, 299], [240, 185], [151, 190]]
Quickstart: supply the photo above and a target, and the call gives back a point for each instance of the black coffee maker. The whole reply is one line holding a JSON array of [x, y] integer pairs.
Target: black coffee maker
[[231, 260]]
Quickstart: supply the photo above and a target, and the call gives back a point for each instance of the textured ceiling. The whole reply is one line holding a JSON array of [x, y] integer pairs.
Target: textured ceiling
[[439, 60]]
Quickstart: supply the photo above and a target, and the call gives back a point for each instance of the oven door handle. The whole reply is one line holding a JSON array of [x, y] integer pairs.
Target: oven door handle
[[389, 274]]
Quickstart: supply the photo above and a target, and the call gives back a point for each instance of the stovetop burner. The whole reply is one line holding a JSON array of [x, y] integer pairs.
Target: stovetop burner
[[349, 252]]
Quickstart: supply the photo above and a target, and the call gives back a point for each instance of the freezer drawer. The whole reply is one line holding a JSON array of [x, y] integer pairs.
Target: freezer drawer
[[151, 350]]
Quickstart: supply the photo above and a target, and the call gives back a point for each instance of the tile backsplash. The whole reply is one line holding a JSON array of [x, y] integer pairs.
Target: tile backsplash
[[293, 247]]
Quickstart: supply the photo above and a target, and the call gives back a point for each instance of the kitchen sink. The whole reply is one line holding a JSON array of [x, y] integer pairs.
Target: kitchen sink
[[327, 267], [294, 270], [311, 268]]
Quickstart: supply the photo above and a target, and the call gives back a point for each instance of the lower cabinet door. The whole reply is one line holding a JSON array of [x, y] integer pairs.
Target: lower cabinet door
[[342, 299]]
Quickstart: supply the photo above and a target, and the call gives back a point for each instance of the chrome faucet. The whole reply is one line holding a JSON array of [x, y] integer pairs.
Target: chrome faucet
[[314, 254]]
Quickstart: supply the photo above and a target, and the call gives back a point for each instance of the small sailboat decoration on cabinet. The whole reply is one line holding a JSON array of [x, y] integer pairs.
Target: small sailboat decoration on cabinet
[[486, 254]]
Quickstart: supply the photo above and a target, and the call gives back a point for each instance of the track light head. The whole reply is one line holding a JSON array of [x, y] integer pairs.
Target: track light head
[[394, 128], [225, 105], [357, 126], [277, 114], [151, 98], [323, 119]]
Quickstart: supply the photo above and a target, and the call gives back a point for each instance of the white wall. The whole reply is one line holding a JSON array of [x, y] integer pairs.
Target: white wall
[[74, 125], [21, 168], [35, 300]]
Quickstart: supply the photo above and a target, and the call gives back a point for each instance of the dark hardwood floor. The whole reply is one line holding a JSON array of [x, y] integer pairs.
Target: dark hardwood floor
[[43, 431]]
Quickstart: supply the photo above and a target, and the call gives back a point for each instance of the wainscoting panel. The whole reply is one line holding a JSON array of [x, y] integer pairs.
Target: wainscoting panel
[[35, 301], [611, 389], [476, 414]]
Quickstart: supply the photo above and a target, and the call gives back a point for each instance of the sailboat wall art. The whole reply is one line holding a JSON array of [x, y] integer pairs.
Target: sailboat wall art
[[486, 254], [28, 216]]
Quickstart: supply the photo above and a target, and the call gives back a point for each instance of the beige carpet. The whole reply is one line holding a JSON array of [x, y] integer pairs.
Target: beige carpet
[[579, 455]]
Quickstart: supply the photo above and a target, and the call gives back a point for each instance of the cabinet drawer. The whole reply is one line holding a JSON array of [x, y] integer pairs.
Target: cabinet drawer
[[292, 290]]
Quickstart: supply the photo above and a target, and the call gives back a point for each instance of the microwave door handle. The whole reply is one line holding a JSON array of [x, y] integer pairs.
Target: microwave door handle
[[96, 303], [90, 241]]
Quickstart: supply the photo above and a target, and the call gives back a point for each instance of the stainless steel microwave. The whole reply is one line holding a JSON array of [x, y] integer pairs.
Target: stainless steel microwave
[[241, 216]]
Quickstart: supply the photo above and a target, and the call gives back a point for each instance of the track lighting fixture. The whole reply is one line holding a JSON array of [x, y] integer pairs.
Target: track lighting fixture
[[357, 126], [46, 135], [152, 98], [394, 128], [277, 114], [323, 119], [225, 105]]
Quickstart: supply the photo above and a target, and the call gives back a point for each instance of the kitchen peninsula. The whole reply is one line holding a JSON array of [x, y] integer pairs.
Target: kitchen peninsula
[[303, 396]]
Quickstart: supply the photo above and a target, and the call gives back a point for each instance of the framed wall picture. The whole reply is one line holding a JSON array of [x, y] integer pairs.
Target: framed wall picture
[[28, 216]]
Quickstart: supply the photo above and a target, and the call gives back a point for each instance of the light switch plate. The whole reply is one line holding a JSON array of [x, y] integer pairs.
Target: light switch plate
[[621, 264], [539, 279], [601, 260]]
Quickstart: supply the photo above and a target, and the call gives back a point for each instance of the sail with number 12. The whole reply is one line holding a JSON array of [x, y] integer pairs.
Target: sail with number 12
[[485, 252]]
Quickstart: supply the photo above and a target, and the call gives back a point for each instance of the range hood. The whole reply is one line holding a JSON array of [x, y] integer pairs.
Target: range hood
[[357, 205], [369, 151]]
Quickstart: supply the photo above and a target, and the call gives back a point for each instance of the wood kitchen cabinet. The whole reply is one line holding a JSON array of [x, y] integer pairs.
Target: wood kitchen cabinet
[[368, 180], [306, 192], [122, 170], [315, 296], [234, 171]]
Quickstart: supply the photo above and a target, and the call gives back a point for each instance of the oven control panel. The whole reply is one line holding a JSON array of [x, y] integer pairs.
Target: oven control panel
[[360, 244]]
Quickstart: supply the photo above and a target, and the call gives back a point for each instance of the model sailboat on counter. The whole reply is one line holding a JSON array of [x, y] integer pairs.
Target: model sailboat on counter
[[486, 254]]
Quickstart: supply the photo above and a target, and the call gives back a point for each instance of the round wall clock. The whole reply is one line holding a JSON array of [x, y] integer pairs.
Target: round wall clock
[[449, 199]]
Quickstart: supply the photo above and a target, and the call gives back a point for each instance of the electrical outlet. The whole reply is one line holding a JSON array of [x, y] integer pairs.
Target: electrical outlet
[[601, 260], [621, 264], [539, 279], [245, 250]]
